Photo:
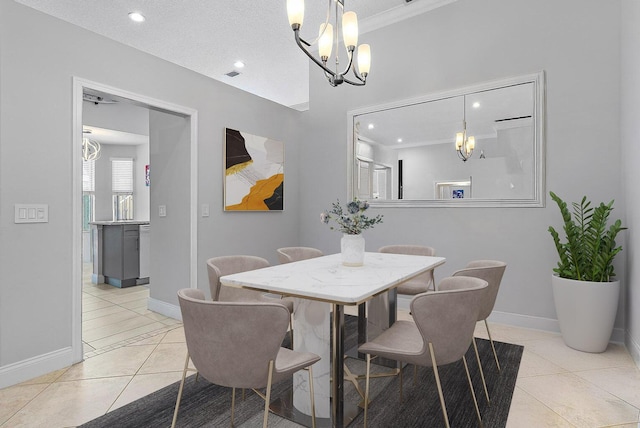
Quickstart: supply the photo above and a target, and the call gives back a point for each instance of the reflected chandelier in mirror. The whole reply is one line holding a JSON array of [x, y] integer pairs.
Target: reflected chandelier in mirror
[[407, 153]]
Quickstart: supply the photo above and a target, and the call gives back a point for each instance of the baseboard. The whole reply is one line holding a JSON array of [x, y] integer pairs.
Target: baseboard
[[544, 324], [538, 323], [34, 367], [164, 308], [634, 349]]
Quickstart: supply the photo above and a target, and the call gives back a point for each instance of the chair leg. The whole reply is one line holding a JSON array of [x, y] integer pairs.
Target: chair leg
[[313, 399], [184, 374], [495, 355], [484, 382], [267, 399], [233, 404], [366, 390], [400, 382], [434, 364], [415, 374], [291, 329], [473, 393]]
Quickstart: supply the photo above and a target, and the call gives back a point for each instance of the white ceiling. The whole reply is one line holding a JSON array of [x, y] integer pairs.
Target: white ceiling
[[208, 36]]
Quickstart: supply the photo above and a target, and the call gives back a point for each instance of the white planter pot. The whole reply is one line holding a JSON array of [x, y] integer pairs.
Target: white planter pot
[[352, 249], [586, 312]]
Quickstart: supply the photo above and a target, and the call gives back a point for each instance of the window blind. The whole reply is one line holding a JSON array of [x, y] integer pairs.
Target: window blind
[[88, 175], [122, 175]]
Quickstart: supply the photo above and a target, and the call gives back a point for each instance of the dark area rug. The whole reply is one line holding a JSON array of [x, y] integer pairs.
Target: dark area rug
[[207, 405]]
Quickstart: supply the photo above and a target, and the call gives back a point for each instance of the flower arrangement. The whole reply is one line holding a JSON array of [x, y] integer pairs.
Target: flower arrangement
[[351, 221]]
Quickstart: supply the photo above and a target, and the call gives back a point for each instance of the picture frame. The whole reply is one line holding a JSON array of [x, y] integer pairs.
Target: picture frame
[[253, 172]]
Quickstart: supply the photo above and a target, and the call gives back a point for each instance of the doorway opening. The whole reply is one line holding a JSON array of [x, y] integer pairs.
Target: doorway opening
[[111, 307]]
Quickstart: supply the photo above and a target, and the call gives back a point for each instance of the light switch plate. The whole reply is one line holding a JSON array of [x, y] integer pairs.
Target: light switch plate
[[31, 213], [162, 210], [205, 210]]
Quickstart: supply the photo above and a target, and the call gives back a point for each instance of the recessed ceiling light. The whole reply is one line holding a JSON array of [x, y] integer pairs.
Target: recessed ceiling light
[[137, 17], [399, 140], [370, 126], [238, 64], [476, 104]]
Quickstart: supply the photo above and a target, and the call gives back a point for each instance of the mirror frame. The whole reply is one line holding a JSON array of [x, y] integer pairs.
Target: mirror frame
[[538, 200]]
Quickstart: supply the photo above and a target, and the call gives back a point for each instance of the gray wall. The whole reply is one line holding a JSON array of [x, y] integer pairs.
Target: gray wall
[[36, 71], [630, 111], [461, 44]]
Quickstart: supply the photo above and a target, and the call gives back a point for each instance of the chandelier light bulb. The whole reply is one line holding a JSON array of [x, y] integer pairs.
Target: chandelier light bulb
[[295, 11], [364, 59], [325, 41], [350, 29]]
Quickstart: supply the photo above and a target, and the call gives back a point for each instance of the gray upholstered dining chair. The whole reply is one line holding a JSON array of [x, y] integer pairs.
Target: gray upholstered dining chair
[[441, 334], [492, 272], [294, 254], [227, 265], [420, 283], [238, 345]]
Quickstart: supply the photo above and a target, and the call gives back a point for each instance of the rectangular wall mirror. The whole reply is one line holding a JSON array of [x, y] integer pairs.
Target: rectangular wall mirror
[[478, 146]]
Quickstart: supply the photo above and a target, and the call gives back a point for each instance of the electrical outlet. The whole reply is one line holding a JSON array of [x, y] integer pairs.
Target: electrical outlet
[[162, 210]]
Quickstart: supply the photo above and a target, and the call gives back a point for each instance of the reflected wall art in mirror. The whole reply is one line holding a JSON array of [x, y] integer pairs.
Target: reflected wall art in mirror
[[479, 146]]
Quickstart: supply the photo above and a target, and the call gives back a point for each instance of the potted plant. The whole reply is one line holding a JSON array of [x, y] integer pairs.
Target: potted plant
[[584, 287], [351, 222]]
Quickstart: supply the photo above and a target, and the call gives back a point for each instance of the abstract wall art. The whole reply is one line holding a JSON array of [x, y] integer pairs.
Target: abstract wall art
[[254, 172]]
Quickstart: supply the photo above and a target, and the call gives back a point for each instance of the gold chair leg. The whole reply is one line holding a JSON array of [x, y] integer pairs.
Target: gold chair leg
[[495, 355], [434, 364], [268, 397], [291, 329], [313, 399], [233, 404], [366, 390], [184, 374], [473, 393], [400, 382], [484, 382]]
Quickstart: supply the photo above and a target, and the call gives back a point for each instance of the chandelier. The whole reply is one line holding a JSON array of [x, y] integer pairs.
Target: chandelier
[[326, 36], [464, 143], [90, 148]]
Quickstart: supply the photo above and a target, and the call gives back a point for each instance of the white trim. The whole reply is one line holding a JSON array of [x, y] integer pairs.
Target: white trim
[[633, 347], [539, 323], [399, 13], [164, 308], [36, 366], [79, 84]]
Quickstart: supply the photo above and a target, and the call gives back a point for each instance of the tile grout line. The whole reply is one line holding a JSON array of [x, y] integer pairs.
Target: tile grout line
[[135, 374]]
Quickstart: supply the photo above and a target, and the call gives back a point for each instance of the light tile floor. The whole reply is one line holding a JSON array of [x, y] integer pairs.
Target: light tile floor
[[556, 386], [114, 317]]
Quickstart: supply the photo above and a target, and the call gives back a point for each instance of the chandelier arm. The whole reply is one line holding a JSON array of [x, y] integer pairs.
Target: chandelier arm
[[349, 64], [351, 82], [359, 77], [319, 63]]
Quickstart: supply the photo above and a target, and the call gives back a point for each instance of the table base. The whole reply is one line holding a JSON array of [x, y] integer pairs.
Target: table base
[[283, 407]]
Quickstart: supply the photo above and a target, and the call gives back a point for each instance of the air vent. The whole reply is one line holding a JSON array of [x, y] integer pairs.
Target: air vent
[[232, 73]]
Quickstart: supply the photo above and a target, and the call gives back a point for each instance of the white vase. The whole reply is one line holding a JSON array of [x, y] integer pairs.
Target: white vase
[[586, 312], [352, 249]]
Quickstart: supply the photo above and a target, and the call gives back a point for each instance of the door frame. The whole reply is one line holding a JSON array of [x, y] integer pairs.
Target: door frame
[[79, 85]]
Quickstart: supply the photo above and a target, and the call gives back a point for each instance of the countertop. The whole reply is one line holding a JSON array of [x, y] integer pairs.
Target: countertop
[[118, 223]]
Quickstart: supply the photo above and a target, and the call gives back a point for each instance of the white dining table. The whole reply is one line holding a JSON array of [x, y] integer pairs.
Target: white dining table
[[322, 287]]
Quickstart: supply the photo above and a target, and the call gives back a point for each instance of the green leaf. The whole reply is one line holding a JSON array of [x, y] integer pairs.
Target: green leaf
[[590, 247]]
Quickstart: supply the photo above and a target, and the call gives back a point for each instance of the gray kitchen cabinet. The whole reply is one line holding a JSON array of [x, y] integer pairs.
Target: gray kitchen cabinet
[[119, 252]]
